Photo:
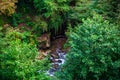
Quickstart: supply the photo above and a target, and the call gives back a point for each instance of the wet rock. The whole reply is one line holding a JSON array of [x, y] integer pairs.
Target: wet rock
[[59, 61], [54, 55], [44, 41], [57, 54], [51, 71], [56, 62], [43, 53]]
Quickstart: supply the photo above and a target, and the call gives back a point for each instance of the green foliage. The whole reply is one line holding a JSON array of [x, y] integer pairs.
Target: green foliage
[[19, 59], [25, 6], [52, 12], [18, 62], [1, 20], [95, 51], [55, 23], [16, 19], [45, 7], [86, 8], [94, 42], [2, 43], [49, 7], [118, 14], [25, 36], [40, 25]]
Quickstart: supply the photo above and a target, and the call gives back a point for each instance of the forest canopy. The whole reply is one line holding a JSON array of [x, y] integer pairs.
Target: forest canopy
[[91, 27]]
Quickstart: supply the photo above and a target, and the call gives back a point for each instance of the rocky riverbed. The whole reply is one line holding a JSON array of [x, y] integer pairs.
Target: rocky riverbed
[[57, 55], [56, 62]]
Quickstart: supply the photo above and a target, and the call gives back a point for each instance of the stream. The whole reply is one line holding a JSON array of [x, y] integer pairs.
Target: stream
[[56, 62], [57, 55], [56, 51]]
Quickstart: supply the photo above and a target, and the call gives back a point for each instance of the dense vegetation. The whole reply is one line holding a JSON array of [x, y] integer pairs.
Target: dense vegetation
[[92, 28], [95, 51]]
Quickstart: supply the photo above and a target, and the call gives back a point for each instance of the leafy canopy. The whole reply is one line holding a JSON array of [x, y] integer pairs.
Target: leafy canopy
[[94, 53], [19, 58]]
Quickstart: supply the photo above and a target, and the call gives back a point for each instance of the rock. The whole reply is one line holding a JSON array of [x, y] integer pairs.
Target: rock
[[43, 53], [51, 71], [44, 40], [54, 55]]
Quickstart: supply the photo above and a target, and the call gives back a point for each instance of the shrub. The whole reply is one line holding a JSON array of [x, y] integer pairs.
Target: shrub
[[14, 34], [18, 60], [95, 51]]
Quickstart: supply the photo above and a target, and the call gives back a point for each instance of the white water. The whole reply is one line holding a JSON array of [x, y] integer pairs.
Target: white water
[[56, 62]]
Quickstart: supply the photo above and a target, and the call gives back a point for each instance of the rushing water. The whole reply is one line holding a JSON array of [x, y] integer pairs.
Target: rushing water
[[57, 56], [56, 62]]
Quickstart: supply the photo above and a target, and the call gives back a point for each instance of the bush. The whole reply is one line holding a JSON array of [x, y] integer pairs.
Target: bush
[[95, 51], [24, 36], [18, 60]]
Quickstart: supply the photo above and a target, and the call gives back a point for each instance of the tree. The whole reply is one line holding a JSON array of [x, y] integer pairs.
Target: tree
[[7, 7], [109, 9], [19, 58], [94, 53]]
